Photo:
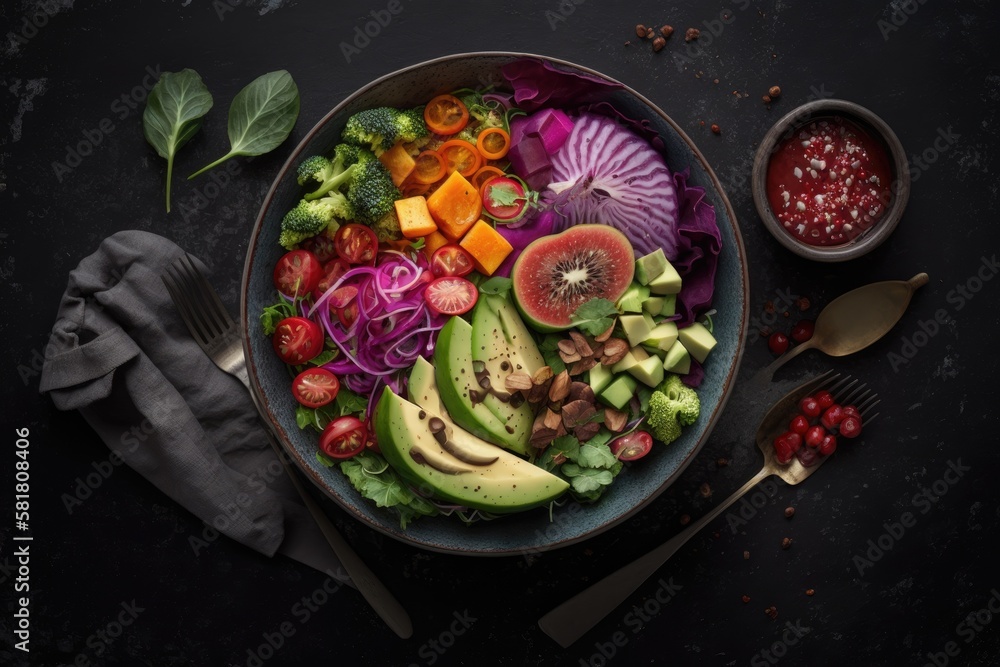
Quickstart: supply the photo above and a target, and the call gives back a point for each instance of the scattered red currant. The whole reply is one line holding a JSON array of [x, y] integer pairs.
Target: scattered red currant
[[810, 407], [824, 398], [778, 343], [803, 331], [850, 427], [814, 436], [829, 445], [833, 416], [799, 425]]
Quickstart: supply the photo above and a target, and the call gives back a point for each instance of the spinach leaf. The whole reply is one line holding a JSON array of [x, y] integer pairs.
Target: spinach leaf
[[594, 316], [261, 116], [173, 114]]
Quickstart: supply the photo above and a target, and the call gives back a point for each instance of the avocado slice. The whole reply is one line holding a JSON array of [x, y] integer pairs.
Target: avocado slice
[[677, 359], [464, 398], [662, 337], [697, 339], [599, 377], [509, 484], [633, 298], [650, 266], [648, 371], [664, 305], [668, 282], [620, 391], [636, 327]]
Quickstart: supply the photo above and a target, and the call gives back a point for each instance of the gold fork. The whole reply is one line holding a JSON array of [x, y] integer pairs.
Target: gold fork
[[570, 620], [216, 333]]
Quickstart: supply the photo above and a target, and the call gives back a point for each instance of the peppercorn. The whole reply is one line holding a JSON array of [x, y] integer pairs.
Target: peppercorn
[[640, 30], [659, 43], [692, 34], [766, 99], [666, 31], [810, 592], [789, 512], [786, 543]]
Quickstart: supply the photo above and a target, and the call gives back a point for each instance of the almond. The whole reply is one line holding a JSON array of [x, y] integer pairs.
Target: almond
[[518, 381], [559, 389], [581, 345]]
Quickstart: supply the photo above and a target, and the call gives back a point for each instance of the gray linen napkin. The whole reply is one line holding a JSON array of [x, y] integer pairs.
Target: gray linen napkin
[[120, 354]]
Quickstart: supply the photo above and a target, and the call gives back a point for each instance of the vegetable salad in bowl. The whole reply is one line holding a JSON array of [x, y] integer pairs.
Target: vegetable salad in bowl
[[502, 301]]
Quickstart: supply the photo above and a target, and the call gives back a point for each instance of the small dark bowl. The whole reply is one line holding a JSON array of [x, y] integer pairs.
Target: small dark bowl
[[874, 126]]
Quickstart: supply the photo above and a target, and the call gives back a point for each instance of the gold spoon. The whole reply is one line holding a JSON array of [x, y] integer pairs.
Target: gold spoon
[[853, 321]]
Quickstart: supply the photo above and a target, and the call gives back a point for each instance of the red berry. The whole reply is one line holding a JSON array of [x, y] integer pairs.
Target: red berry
[[799, 425], [824, 398], [833, 416], [778, 342], [814, 436], [810, 406], [782, 450], [807, 456], [793, 439], [850, 427], [851, 411], [803, 331], [829, 444]]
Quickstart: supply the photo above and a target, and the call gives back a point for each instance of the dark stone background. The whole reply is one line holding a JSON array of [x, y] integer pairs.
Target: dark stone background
[[928, 68]]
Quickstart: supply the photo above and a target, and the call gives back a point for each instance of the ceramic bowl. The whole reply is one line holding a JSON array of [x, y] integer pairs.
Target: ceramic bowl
[[532, 531], [793, 123]]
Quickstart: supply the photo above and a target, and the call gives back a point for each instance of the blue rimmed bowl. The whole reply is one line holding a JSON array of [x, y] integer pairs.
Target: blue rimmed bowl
[[527, 532]]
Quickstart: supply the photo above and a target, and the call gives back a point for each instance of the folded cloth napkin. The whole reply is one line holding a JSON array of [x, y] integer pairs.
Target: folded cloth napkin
[[120, 354]]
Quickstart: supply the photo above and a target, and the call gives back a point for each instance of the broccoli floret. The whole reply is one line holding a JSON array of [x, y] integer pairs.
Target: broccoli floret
[[372, 194], [329, 174], [483, 117], [386, 228], [311, 217], [381, 127], [671, 406]]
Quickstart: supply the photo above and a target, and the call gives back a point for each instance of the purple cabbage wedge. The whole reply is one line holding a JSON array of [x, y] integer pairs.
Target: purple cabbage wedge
[[606, 173]]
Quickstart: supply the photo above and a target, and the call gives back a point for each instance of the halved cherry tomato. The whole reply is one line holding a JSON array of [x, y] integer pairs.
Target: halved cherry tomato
[[504, 199], [451, 259], [315, 387], [321, 246], [429, 168], [348, 314], [356, 243], [633, 446], [451, 295], [461, 156], [297, 340], [344, 437], [446, 114], [481, 177], [297, 273], [332, 271], [493, 143]]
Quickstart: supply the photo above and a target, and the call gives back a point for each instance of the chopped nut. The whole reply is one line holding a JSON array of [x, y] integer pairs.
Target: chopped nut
[[567, 345], [692, 34], [746, 555], [581, 391], [576, 413], [581, 345], [803, 303], [582, 366], [774, 91], [722, 462], [615, 350], [786, 543], [559, 389], [659, 43], [615, 420], [570, 357], [716, 129], [666, 31], [705, 490], [606, 334], [746, 598], [685, 519], [772, 611], [766, 99], [518, 381], [585, 432], [649, 33], [540, 381], [810, 592], [789, 512], [551, 418], [640, 30]]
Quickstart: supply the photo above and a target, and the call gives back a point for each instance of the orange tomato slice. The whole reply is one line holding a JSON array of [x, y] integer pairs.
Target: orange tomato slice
[[461, 156], [446, 114], [493, 143], [429, 168]]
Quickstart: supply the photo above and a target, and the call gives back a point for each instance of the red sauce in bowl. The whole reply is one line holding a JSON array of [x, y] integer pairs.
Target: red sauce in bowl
[[829, 182]]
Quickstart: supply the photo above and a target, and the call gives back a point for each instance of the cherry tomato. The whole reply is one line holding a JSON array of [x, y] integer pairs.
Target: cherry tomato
[[297, 273], [451, 295], [461, 156], [332, 271], [633, 446], [297, 340], [504, 199], [315, 387], [446, 114], [429, 168], [344, 437], [451, 259], [348, 314], [322, 246], [356, 243]]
